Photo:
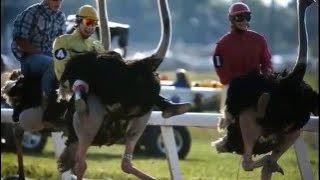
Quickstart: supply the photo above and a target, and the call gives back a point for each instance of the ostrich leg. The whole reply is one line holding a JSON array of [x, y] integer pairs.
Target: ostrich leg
[[18, 135], [86, 128], [134, 131], [272, 165], [250, 132]]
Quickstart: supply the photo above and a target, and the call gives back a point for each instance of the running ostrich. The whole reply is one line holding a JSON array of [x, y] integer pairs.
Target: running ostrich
[[266, 113], [117, 110], [123, 103]]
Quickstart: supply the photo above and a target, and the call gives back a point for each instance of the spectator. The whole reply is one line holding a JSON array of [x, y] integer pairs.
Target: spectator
[[181, 79]]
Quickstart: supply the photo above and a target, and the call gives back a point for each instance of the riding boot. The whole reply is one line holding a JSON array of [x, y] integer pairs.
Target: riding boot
[[54, 110], [169, 108], [16, 113]]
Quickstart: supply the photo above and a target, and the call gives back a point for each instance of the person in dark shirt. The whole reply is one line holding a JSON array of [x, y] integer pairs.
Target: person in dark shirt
[[33, 34], [181, 79]]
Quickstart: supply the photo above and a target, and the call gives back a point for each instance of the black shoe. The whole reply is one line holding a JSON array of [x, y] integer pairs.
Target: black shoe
[[54, 110], [16, 113], [176, 109]]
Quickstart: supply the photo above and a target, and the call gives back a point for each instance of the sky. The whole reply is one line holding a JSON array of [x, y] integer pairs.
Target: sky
[[282, 3]]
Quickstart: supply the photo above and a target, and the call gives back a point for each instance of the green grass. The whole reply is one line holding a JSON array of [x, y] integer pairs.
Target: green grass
[[202, 163]]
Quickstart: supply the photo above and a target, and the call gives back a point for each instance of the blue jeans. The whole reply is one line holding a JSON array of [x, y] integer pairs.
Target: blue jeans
[[40, 65]]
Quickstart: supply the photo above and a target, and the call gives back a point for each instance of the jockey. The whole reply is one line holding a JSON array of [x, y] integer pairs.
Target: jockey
[[80, 41], [241, 50]]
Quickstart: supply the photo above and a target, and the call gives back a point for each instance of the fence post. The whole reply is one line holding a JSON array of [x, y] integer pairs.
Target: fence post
[[171, 151], [303, 160]]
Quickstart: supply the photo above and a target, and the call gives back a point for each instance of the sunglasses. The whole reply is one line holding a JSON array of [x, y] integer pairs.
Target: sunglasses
[[242, 17], [90, 22]]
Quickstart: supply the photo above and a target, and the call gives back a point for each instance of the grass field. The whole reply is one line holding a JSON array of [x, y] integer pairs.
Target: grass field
[[202, 163]]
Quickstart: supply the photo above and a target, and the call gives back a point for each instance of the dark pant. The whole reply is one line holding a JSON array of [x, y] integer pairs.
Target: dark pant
[[40, 65]]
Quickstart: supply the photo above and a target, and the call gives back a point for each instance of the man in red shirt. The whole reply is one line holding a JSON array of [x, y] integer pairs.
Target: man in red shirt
[[241, 50]]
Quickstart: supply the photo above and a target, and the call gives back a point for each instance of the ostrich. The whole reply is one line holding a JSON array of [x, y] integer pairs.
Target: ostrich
[[267, 112]]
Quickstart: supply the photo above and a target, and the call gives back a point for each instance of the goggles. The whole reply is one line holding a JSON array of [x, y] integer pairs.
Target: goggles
[[242, 17], [89, 22]]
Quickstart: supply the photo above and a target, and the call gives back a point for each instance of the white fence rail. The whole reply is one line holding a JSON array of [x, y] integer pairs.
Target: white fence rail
[[202, 120]]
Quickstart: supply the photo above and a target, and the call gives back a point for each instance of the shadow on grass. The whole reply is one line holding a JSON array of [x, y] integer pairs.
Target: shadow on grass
[[100, 155]]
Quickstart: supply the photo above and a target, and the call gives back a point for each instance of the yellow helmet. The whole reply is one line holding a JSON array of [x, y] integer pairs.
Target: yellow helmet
[[87, 11]]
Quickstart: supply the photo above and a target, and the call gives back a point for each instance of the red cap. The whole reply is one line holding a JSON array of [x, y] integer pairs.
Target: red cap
[[238, 8]]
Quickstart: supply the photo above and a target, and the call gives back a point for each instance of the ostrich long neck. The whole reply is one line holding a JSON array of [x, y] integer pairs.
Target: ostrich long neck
[[104, 28], [165, 29], [301, 64]]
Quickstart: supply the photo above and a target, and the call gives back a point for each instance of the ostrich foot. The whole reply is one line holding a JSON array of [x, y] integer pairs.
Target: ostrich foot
[[272, 166], [220, 145], [127, 167]]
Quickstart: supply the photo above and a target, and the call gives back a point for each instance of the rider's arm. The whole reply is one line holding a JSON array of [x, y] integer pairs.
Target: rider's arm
[[61, 55], [221, 64], [265, 59]]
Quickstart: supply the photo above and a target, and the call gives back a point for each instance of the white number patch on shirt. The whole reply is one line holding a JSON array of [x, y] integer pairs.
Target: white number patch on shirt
[[217, 61], [60, 53]]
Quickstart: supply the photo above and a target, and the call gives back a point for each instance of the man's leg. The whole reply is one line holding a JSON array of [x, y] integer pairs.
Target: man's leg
[[35, 65], [169, 108], [53, 109], [32, 66]]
